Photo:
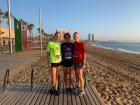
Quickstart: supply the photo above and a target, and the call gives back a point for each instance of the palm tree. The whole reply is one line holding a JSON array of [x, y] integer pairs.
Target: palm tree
[[30, 28], [42, 30], [1, 16], [6, 16]]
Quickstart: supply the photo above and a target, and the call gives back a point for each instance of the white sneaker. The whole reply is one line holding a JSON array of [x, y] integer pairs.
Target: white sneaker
[[81, 93]]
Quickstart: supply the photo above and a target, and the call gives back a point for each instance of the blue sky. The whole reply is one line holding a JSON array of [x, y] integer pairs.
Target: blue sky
[[107, 19]]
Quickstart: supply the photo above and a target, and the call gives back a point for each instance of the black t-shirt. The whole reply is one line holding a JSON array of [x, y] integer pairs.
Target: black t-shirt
[[67, 50]]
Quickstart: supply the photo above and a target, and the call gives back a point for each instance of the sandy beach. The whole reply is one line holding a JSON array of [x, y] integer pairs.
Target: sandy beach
[[114, 74]]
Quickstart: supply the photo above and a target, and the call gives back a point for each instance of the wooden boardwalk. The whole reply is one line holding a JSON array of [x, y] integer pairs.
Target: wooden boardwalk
[[22, 95]]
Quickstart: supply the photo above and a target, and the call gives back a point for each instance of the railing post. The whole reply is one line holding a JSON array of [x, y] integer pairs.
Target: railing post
[[6, 80], [84, 74], [32, 79]]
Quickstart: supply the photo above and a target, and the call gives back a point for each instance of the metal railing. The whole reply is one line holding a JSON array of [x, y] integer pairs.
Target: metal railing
[[6, 80], [32, 75], [84, 76]]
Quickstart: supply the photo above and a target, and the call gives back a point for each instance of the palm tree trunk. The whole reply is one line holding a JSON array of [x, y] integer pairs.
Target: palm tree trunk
[[0, 31], [32, 38]]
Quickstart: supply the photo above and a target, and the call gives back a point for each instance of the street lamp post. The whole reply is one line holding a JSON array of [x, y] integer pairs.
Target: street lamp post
[[40, 32], [9, 25]]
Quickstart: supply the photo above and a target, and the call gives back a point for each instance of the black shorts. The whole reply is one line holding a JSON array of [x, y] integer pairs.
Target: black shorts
[[55, 64], [80, 65], [67, 63]]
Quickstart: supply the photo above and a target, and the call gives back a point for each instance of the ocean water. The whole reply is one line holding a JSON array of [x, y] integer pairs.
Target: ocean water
[[123, 47]]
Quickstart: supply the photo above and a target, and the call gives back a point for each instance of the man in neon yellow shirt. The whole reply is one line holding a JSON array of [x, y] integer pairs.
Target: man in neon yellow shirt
[[54, 57]]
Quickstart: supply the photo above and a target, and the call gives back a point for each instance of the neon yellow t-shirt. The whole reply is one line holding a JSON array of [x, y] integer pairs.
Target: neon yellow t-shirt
[[54, 48]]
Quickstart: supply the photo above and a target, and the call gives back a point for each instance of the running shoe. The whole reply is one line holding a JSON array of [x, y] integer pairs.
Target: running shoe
[[81, 93], [52, 90]]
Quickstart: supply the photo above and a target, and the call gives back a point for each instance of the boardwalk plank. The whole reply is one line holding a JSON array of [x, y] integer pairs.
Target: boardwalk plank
[[82, 100], [51, 102], [25, 97], [93, 94], [97, 95], [22, 92], [78, 102], [69, 100], [1, 89], [12, 98], [21, 95], [40, 95], [45, 95], [7, 92], [64, 95], [6, 98], [36, 96], [56, 100], [87, 100], [33, 95], [73, 99], [48, 97], [90, 97], [73, 95], [61, 94]]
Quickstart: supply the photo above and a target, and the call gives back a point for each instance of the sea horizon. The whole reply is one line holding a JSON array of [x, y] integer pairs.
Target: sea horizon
[[129, 47]]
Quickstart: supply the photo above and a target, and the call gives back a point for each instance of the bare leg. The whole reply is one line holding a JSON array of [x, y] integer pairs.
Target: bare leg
[[81, 78], [53, 76], [67, 84], [69, 77], [65, 79], [77, 77], [57, 73]]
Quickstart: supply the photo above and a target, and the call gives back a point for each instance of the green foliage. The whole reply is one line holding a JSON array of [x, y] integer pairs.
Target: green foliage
[[42, 30], [1, 13], [6, 15], [30, 27]]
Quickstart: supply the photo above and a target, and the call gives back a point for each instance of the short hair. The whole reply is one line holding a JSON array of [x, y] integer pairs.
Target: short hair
[[67, 34]]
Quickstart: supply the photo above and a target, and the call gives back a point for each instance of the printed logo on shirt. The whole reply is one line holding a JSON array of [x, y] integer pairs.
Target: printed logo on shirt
[[68, 55], [57, 57]]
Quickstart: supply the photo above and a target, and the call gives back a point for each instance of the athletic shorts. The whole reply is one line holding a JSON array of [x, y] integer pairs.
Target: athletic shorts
[[67, 63], [55, 64], [80, 65]]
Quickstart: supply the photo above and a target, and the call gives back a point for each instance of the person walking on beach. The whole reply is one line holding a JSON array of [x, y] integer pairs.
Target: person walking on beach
[[54, 57], [79, 62], [67, 61]]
